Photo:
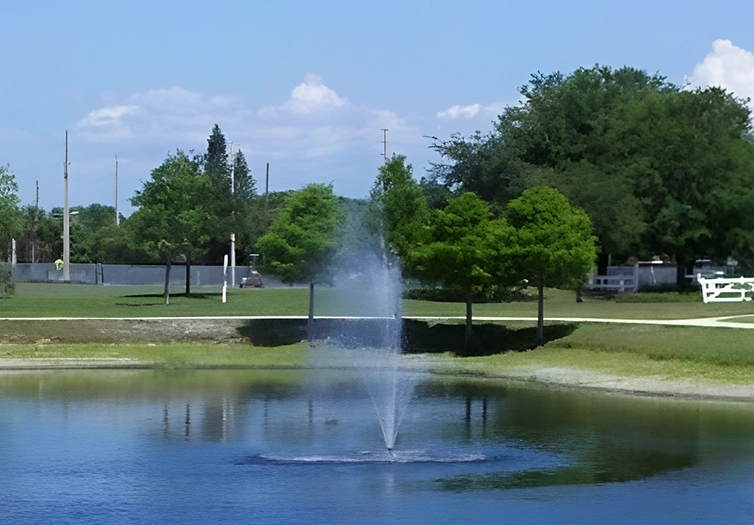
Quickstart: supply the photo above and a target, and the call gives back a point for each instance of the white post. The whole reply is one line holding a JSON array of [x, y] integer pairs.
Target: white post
[[225, 277], [232, 260]]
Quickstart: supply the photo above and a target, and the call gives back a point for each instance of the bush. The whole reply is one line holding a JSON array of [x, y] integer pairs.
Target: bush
[[659, 297], [7, 286], [493, 294]]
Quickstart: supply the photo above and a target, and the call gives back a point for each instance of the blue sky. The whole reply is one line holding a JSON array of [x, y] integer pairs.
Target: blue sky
[[308, 85]]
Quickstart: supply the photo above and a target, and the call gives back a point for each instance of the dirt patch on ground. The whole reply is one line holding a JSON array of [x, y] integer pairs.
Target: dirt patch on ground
[[123, 330]]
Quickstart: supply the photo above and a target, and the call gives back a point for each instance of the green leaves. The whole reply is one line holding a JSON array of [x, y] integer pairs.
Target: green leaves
[[659, 169], [305, 235], [397, 209], [173, 216], [466, 247], [550, 237]]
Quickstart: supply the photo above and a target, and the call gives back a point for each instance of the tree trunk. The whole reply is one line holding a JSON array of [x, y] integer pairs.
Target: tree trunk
[[166, 291], [188, 274], [680, 272], [541, 309], [310, 322], [467, 334], [603, 262]]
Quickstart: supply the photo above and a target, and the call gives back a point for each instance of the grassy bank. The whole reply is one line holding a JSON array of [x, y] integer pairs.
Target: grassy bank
[[171, 355], [77, 300], [675, 353], [672, 353]]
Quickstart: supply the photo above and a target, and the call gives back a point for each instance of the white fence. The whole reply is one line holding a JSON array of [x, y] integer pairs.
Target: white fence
[[728, 290]]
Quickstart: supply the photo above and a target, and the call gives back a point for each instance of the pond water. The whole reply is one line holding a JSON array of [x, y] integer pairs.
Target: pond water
[[275, 446]]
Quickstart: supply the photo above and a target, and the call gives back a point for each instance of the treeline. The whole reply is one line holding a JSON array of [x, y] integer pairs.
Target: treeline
[[218, 184], [662, 170]]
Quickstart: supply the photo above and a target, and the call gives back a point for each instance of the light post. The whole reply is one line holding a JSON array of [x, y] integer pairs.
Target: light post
[[66, 221]]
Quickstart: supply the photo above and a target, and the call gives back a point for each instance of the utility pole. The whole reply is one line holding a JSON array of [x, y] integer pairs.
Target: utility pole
[[117, 217], [34, 227], [66, 220], [232, 235], [267, 196], [384, 143]]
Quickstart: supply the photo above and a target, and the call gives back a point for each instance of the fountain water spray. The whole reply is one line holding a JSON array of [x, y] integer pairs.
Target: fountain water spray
[[371, 284]]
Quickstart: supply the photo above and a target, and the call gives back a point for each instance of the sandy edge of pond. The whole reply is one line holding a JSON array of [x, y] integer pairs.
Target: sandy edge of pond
[[560, 377], [655, 386]]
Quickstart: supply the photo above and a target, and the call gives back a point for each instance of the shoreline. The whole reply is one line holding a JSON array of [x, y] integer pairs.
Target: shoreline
[[549, 377], [649, 386]]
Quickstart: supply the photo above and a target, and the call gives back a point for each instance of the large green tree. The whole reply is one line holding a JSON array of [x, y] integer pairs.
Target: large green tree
[[86, 223], [552, 243], [304, 237], [660, 170], [397, 209], [173, 216], [231, 199], [465, 247]]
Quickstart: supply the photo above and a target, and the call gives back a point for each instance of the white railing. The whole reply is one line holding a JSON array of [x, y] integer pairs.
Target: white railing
[[724, 290], [619, 279]]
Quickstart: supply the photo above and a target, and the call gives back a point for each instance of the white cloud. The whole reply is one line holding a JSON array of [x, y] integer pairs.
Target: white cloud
[[311, 96], [471, 111], [727, 66], [456, 112], [314, 134]]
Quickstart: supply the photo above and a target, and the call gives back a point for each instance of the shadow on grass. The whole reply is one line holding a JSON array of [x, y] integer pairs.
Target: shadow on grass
[[157, 299], [273, 332], [418, 336], [201, 295], [487, 339]]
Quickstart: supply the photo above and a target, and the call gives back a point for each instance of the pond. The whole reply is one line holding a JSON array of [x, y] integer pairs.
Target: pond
[[282, 446]]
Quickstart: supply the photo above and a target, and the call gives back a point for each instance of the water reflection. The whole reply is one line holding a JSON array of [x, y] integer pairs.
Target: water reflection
[[277, 436]]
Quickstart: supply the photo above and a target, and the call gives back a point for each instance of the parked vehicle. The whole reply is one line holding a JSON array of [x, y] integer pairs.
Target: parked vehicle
[[253, 280]]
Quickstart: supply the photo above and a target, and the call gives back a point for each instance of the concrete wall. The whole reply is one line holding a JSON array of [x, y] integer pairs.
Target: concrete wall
[[125, 274]]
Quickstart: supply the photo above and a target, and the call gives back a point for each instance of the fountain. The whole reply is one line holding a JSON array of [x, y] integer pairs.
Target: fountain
[[369, 284]]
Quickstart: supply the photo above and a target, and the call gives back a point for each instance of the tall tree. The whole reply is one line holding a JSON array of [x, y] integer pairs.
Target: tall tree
[[304, 237], [244, 185], [214, 163], [397, 209], [552, 244], [243, 199], [173, 216], [87, 223], [466, 247], [652, 164]]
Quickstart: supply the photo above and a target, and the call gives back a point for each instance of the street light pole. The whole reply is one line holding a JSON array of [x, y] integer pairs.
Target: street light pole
[[232, 235], [66, 221]]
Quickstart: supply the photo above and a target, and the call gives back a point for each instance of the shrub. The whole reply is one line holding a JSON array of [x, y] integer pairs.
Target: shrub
[[7, 286]]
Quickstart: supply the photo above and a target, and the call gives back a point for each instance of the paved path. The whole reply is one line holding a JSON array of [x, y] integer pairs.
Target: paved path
[[718, 322]]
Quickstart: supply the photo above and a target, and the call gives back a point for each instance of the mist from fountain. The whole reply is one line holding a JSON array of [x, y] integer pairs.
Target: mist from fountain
[[370, 283]]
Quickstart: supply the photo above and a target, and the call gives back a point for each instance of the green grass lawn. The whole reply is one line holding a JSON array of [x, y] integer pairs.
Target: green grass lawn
[[81, 300], [718, 354]]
